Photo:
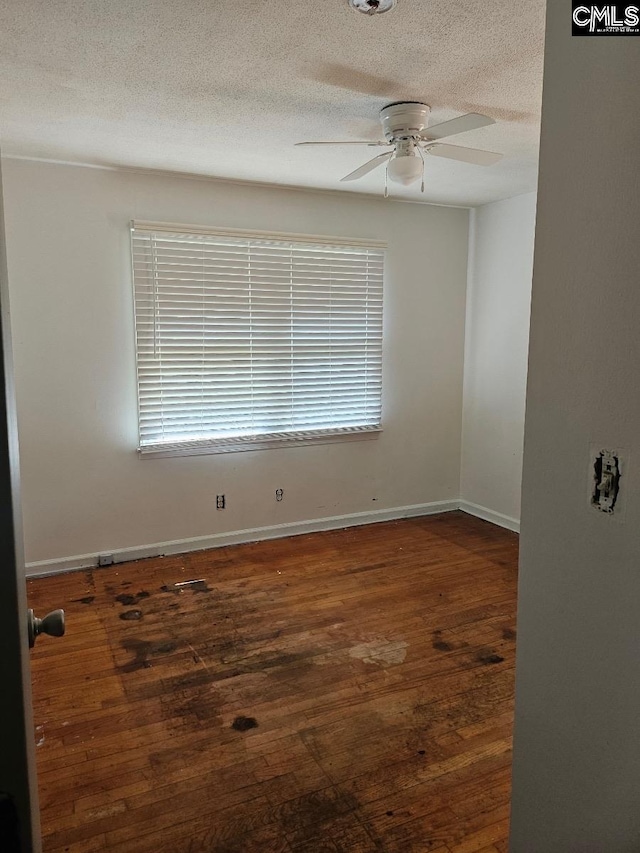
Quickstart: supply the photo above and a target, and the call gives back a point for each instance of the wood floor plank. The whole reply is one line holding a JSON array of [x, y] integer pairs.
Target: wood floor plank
[[348, 691]]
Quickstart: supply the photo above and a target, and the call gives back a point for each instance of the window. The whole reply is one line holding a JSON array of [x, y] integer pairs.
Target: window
[[254, 340]]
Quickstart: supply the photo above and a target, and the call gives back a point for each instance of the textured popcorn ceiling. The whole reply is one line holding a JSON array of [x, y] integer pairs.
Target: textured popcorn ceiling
[[224, 88]]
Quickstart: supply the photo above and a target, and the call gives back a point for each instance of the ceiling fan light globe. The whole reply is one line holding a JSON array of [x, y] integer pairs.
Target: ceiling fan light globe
[[405, 170]]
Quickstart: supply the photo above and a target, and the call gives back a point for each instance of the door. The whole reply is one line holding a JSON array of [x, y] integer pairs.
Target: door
[[19, 823]]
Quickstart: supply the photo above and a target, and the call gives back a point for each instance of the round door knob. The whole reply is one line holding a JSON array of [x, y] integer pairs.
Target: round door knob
[[52, 624]]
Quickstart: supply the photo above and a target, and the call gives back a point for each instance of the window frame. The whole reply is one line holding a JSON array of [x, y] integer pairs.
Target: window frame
[[234, 444]]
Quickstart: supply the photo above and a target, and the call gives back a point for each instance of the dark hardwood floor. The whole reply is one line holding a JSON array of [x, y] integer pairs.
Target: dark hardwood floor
[[341, 691]]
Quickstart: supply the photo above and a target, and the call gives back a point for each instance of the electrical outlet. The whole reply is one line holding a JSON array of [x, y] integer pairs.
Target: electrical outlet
[[279, 494], [220, 502]]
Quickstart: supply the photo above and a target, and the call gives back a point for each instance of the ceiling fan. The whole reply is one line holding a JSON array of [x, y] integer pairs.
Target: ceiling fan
[[406, 132]]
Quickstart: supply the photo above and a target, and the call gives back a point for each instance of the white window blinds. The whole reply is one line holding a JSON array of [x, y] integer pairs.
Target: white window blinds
[[251, 340]]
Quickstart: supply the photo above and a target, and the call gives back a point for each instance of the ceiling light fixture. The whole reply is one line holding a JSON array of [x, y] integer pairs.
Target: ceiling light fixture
[[405, 170], [408, 135], [372, 7], [407, 163]]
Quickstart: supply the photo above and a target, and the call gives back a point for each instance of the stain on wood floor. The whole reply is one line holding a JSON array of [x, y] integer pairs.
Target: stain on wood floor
[[347, 691]]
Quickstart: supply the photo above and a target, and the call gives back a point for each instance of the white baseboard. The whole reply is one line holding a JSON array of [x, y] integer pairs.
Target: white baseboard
[[489, 515], [255, 534]]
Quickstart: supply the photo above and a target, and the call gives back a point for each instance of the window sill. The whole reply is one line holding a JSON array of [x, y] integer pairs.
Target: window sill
[[235, 446]]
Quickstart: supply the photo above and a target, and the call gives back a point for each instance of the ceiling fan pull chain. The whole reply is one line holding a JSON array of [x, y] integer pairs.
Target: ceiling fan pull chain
[[386, 181]]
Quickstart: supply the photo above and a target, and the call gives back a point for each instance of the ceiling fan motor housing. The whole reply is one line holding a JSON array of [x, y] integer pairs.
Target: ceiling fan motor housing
[[404, 119]]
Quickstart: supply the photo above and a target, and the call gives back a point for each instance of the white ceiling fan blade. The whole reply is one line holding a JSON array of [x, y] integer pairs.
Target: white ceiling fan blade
[[368, 167], [344, 142], [465, 155], [470, 121]]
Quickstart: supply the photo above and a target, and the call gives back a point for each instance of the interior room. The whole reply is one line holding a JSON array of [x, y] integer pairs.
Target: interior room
[[270, 277], [354, 675]]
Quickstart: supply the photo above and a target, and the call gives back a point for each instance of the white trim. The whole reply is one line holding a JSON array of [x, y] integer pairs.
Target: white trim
[[250, 234], [490, 515], [237, 537], [275, 531]]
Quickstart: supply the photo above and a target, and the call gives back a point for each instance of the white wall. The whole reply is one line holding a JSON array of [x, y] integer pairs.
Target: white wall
[[85, 489], [495, 373], [577, 734]]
